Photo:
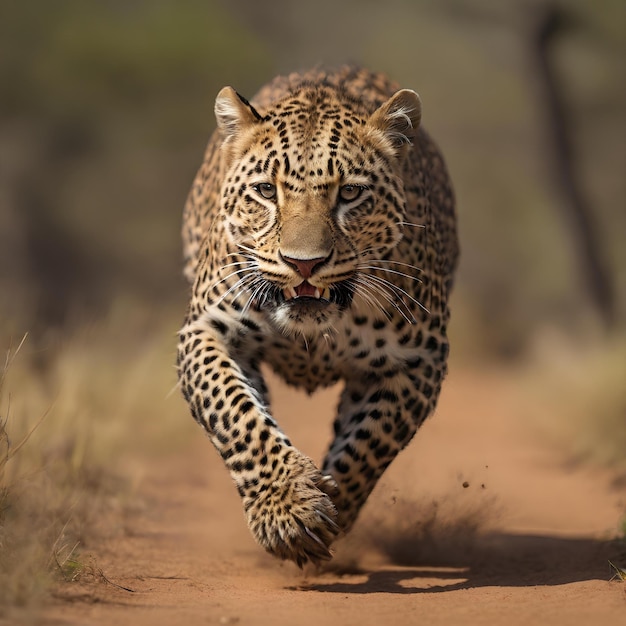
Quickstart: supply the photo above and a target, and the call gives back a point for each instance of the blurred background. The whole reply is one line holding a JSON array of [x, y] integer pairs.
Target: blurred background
[[105, 111], [106, 107]]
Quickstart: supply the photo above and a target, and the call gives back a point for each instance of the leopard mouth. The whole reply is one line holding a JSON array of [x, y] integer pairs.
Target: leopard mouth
[[306, 290], [307, 296]]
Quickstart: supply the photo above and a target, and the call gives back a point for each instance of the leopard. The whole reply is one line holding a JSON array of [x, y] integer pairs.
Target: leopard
[[320, 243]]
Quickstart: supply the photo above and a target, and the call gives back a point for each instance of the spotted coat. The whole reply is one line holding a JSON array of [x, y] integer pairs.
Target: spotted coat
[[319, 238]]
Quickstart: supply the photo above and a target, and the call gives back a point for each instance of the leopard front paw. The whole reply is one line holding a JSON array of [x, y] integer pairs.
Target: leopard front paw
[[292, 516]]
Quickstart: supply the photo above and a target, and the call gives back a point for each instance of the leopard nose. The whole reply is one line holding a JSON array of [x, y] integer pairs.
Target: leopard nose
[[304, 267]]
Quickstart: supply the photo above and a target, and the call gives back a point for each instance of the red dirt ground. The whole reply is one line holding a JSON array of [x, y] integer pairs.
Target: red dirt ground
[[477, 522]]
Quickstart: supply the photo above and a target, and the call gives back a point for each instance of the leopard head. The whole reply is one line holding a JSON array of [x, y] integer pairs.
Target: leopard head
[[312, 190]]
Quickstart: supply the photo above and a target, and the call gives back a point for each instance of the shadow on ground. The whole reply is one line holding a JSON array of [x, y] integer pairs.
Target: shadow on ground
[[502, 560]]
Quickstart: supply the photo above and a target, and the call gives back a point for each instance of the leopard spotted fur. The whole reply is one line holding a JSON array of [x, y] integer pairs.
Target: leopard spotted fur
[[319, 238]]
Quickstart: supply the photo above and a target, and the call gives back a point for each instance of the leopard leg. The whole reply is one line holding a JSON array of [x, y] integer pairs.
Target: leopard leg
[[377, 418], [282, 491]]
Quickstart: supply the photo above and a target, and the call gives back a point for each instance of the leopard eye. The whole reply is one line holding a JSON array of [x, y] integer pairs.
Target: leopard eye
[[265, 190], [349, 193]]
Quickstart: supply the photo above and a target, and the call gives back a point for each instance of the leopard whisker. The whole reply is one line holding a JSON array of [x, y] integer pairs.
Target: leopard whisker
[[264, 294], [363, 293], [306, 343], [414, 267], [235, 264], [411, 224], [326, 336], [234, 273], [250, 250], [248, 285], [374, 293], [239, 283], [243, 255], [376, 249], [395, 288], [396, 301], [384, 269], [256, 255], [248, 259], [255, 288], [389, 295]]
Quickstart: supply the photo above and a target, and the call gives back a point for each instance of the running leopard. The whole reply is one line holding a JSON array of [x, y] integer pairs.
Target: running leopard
[[319, 238]]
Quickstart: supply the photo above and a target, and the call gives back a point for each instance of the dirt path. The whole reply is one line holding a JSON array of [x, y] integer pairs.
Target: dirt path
[[476, 523]]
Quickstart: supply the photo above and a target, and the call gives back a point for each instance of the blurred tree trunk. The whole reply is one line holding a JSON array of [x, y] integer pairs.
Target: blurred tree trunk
[[552, 21], [44, 267]]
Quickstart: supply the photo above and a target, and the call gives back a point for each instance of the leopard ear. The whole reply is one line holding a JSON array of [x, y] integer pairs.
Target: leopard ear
[[399, 118], [233, 113]]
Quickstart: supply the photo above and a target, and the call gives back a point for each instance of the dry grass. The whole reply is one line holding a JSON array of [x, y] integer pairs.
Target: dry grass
[[580, 396], [75, 422], [23, 571]]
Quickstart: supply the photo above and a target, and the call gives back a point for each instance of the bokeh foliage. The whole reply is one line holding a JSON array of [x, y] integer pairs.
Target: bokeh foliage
[[106, 108], [105, 111]]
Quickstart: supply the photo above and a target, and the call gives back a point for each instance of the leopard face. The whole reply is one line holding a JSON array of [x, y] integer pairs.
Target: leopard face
[[312, 190]]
